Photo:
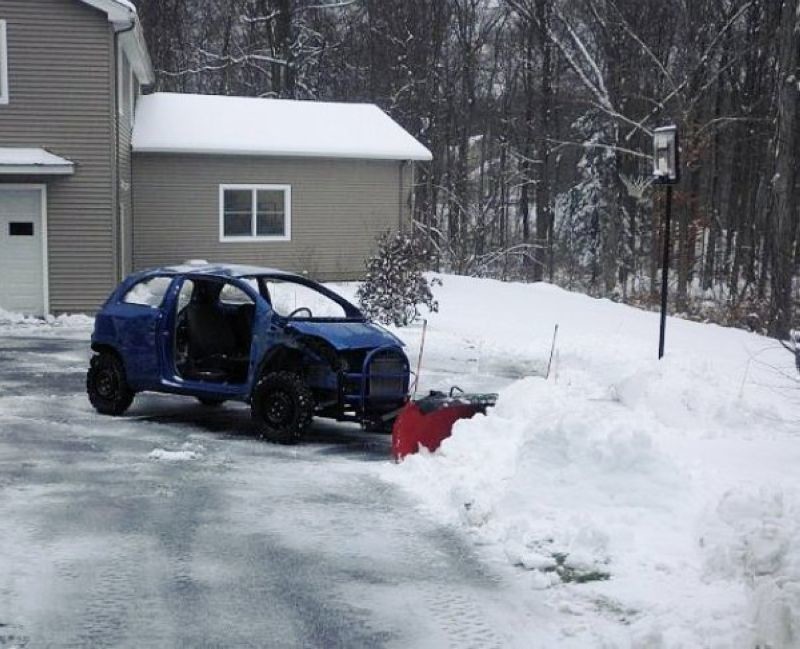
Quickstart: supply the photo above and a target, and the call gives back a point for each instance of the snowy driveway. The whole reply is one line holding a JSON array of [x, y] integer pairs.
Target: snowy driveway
[[175, 527]]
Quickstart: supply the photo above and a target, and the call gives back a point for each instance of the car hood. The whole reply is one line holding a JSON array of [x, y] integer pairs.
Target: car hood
[[347, 335]]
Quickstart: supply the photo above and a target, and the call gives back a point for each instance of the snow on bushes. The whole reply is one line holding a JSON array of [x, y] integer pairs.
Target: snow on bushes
[[395, 286]]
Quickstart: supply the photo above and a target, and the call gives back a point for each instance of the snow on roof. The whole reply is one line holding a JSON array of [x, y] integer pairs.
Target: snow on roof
[[26, 161], [212, 124]]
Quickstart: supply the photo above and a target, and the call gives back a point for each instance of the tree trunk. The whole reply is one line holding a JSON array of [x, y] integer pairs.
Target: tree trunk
[[544, 210], [783, 182]]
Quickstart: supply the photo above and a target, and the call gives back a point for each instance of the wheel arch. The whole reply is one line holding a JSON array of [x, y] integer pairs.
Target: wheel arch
[[108, 348], [280, 358]]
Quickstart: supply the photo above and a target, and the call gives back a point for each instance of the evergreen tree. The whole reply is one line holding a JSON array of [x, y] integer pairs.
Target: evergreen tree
[[395, 285]]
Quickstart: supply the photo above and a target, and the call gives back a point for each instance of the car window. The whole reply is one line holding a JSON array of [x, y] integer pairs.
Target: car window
[[231, 294], [287, 297], [149, 292]]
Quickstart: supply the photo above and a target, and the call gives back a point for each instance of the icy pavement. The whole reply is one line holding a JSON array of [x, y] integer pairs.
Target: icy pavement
[[624, 503], [175, 527]]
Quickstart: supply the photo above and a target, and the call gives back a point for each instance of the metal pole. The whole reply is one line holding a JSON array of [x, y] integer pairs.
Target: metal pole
[[419, 359], [552, 349], [665, 273]]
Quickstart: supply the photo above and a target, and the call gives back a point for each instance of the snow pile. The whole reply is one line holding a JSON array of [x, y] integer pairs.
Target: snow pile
[[19, 322], [753, 535], [187, 452], [652, 504]]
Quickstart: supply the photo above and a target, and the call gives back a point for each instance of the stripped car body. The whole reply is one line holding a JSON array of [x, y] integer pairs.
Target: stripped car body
[[217, 332]]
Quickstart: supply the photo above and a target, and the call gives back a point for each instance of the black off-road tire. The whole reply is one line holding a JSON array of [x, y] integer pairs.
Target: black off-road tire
[[211, 403], [282, 407], [107, 385]]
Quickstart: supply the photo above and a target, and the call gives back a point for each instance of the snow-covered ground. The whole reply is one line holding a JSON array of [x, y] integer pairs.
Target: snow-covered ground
[[647, 503], [625, 502]]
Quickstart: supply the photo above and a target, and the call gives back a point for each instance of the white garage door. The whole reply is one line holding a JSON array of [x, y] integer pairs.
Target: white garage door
[[22, 280]]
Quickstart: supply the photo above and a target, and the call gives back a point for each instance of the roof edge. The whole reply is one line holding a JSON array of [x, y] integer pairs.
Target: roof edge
[[36, 170], [117, 12], [135, 47], [427, 156], [125, 21]]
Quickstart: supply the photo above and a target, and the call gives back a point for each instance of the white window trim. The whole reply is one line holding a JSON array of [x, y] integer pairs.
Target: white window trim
[[3, 63], [287, 213]]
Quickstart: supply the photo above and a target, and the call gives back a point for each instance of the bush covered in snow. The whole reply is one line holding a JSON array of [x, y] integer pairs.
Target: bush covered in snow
[[395, 285]]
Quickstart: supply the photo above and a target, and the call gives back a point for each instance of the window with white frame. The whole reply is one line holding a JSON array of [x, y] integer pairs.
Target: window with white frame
[[255, 212], [3, 62]]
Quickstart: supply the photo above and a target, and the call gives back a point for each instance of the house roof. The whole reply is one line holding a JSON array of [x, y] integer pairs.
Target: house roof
[[212, 124], [33, 162], [123, 16]]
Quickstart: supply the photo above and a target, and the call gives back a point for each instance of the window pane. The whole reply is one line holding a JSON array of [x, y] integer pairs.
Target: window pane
[[150, 292], [270, 219], [238, 213], [20, 229]]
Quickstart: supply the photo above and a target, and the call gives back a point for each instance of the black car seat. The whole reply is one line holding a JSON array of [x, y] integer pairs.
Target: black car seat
[[243, 327], [215, 353], [210, 334]]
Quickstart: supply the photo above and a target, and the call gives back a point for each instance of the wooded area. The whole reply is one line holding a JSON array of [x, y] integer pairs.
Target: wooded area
[[539, 114]]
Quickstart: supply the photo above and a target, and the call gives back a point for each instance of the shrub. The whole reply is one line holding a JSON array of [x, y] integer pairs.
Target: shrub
[[395, 285]]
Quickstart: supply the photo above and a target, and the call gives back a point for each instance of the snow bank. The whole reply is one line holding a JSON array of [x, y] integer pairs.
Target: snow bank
[[656, 502], [10, 319]]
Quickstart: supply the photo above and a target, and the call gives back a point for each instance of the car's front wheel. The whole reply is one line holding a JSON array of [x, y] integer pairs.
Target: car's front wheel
[[282, 407], [107, 386]]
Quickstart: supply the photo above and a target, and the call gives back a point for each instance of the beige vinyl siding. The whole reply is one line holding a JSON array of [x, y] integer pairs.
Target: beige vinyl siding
[[60, 65], [338, 208]]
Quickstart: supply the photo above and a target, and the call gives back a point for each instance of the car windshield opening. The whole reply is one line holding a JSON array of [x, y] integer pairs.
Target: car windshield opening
[[295, 300]]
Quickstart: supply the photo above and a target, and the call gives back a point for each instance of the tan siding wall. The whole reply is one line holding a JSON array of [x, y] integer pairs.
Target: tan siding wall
[[338, 208], [60, 79]]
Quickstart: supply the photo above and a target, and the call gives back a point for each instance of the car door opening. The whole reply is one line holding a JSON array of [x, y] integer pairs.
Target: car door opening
[[214, 332]]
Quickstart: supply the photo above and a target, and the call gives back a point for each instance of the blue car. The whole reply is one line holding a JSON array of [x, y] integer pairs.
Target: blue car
[[288, 346]]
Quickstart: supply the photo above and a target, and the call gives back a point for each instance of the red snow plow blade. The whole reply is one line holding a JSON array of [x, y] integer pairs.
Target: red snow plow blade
[[429, 421]]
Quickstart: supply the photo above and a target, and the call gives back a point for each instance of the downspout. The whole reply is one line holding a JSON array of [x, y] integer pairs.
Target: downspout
[[117, 167]]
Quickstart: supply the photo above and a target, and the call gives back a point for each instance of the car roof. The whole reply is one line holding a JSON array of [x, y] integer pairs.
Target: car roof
[[220, 270]]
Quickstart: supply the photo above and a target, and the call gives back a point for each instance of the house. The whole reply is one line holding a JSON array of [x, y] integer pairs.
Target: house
[[98, 179]]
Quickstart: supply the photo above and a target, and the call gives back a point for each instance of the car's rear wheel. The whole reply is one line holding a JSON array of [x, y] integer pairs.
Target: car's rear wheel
[[107, 385], [282, 407]]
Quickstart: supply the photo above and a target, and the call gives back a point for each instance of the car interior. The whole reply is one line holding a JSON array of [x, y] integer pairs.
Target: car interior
[[214, 331]]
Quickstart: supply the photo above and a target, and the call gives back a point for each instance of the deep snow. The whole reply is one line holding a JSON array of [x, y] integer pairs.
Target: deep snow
[[672, 486]]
